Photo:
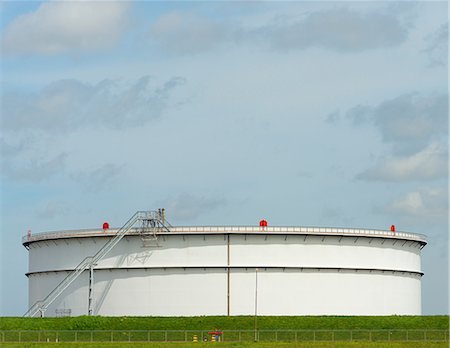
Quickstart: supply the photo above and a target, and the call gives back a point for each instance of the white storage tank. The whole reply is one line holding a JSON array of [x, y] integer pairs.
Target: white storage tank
[[230, 270]]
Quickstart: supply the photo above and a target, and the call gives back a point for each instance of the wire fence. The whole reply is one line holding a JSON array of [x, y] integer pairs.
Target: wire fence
[[226, 335]]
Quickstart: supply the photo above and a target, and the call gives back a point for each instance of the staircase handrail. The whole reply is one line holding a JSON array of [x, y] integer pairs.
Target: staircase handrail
[[42, 305]]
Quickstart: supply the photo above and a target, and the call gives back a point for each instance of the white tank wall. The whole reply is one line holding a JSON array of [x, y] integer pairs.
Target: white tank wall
[[211, 250], [178, 292], [317, 251], [141, 292], [174, 251], [170, 280], [308, 292]]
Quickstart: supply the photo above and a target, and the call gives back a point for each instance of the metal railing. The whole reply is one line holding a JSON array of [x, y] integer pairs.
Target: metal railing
[[237, 229], [227, 335]]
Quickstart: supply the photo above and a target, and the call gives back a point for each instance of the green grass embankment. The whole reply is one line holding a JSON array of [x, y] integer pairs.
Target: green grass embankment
[[440, 322], [235, 345]]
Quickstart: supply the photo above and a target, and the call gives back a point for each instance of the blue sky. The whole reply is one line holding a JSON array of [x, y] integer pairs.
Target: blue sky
[[304, 113]]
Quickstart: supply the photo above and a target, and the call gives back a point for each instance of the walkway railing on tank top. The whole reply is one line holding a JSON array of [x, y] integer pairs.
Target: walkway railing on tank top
[[238, 229]]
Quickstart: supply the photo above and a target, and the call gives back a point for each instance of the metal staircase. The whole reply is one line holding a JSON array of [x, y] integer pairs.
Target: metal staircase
[[151, 221]]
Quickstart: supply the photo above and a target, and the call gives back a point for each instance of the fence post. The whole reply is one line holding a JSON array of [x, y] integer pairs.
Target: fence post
[[314, 335], [332, 336], [425, 335], [276, 335], [129, 336], [92, 336], [57, 336], [20, 336], [148, 336], [76, 336]]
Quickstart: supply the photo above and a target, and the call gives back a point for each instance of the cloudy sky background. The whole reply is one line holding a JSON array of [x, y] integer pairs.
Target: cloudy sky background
[[312, 114]]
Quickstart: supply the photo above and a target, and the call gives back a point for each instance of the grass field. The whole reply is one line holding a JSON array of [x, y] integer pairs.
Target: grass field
[[228, 323], [81, 327]]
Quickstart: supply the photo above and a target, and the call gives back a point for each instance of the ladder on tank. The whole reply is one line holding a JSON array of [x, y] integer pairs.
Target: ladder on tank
[[157, 221]]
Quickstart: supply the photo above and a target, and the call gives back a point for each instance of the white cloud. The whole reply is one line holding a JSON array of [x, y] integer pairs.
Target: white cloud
[[426, 202], [410, 204], [416, 127], [66, 105], [428, 164], [338, 29], [437, 48], [185, 33], [406, 120], [412, 116], [60, 27], [35, 125]]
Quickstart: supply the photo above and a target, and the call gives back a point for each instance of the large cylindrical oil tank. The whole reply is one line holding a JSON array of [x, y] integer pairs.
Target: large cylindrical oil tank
[[190, 271]]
